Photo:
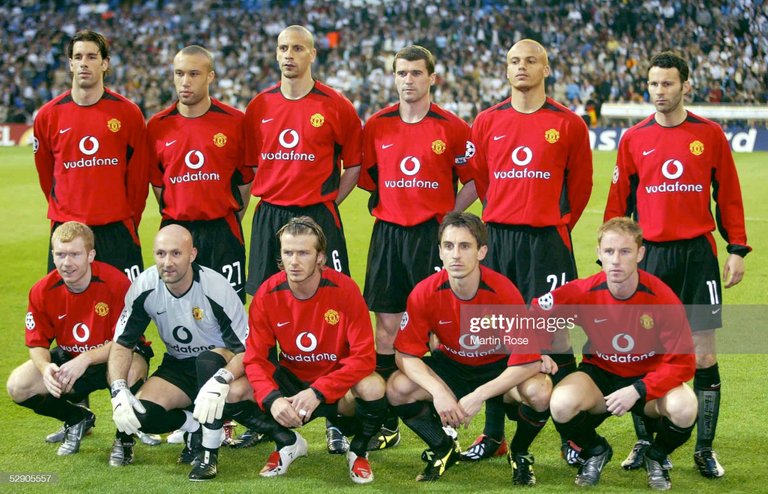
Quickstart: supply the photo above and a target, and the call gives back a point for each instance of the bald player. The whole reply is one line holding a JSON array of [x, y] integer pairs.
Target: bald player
[[532, 166]]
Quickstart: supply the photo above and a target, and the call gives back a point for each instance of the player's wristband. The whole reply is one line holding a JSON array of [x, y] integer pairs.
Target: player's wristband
[[224, 376], [640, 388], [270, 399], [117, 386], [320, 396]]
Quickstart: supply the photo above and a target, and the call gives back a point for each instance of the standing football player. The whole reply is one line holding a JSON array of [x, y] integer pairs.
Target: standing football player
[[200, 178], [92, 157], [666, 169], [299, 135], [413, 154], [533, 170]]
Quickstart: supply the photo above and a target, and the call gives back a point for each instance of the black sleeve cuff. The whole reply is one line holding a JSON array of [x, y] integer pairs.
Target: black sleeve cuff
[[271, 397], [739, 250], [639, 385], [320, 396]]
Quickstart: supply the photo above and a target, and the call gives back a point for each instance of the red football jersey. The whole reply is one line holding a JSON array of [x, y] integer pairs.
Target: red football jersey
[[326, 340], [411, 169], [299, 146], [645, 335], [532, 169], [92, 161], [199, 162], [434, 308], [663, 178], [77, 321]]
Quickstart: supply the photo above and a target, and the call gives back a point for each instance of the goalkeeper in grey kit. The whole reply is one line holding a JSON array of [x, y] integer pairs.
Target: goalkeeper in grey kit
[[203, 324]]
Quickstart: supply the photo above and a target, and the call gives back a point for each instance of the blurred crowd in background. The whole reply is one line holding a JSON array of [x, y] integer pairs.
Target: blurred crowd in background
[[598, 50]]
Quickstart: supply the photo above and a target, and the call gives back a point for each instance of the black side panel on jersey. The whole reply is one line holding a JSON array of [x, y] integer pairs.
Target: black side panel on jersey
[[565, 206], [331, 183], [137, 322], [225, 323], [631, 206]]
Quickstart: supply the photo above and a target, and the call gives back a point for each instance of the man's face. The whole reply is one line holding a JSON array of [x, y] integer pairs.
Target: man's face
[[86, 64], [173, 257], [192, 75], [619, 255], [294, 54], [526, 66], [73, 262], [300, 257], [666, 89], [459, 252], [412, 80]]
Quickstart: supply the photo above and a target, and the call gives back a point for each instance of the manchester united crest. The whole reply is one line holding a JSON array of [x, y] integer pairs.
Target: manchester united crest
[[646, 321], [331, 316], [197, 313], [220, 140], [552, 136], [114, 125], [438, 147], [317, 120], [697, 148], [102, 309]]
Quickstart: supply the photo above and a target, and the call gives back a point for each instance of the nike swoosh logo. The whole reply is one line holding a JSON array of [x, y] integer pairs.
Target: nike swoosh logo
[[62, 316], [170, 143], [598, 321], [266, 120], [646, 153], [281, 324], [444, 322], [64, 131], [386, 146], [716, 311], [498, 138], [162, 312]]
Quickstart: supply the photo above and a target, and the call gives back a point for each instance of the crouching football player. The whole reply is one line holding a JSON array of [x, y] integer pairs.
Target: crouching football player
[[325, 365], [638, 356]]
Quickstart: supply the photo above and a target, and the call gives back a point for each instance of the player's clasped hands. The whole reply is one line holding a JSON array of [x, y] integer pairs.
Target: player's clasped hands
[[450, 411], [51, 380], [282, 410], [304, 403]]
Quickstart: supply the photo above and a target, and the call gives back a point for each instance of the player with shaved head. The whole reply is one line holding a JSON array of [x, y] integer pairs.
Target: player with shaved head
[[532, 165]]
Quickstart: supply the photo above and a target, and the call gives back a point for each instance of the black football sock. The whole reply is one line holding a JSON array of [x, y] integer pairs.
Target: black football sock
[[669, 438], [641, 427], [207, 364], [368, 415], [57, 408], [494, 418], [529, 424], [706, 383], [421, 418], [251, 416], [511, 409], [580, 430], [158, 420]]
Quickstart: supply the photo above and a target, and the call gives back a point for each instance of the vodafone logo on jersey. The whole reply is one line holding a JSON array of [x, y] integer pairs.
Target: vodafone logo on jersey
[[194, 159], [521, 157], [672, 170], [306, 342], [81, 332], [623, 342], [89, 145], [410, 165], [288, 140]]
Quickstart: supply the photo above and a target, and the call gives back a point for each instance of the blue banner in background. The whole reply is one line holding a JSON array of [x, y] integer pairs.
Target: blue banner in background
[[741, 140]]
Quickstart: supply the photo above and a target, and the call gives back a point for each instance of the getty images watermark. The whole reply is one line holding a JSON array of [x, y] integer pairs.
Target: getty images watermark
[[617, 332]]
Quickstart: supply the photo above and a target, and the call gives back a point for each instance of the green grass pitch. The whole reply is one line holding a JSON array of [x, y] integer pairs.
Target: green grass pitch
[[742, 432]]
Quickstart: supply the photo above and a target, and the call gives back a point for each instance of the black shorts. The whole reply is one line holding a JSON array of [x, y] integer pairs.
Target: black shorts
[[265, 247], [290, 385], [461, 378], [182, 373], [219, 248], [607, 383], [398, 258], [691, 270], [116, 244], [535, 259], [95, 376]]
